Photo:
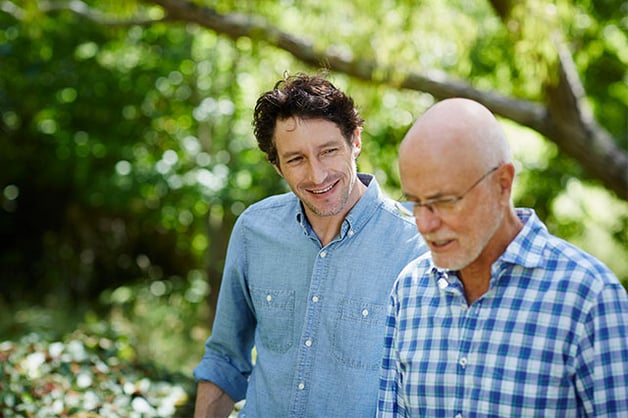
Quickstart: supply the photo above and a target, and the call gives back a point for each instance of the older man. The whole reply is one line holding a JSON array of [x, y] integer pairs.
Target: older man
[[501, 318]]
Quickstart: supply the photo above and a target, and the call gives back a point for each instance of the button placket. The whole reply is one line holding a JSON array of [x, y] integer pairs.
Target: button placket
[[307, 348]]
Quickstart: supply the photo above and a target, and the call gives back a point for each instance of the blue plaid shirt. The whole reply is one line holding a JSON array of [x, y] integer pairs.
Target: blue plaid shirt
[[548, 339]]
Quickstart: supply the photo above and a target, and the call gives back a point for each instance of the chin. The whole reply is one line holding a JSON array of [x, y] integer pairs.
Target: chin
[[450, 264]]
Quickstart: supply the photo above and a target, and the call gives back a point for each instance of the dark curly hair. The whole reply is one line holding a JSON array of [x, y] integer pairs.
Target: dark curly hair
[[306, 97]]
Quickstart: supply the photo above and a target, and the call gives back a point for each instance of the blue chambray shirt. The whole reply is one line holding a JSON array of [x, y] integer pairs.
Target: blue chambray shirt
[[316, 315], [548, 339]]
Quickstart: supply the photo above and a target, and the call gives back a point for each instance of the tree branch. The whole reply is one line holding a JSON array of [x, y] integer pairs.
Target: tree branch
[[562, 119], [570, 122], [563, 122], [573, 127]]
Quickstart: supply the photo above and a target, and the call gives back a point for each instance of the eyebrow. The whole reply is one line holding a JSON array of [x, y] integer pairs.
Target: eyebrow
[[438, 195]]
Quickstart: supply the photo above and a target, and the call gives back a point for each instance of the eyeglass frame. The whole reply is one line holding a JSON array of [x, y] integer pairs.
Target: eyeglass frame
[[429, 204]]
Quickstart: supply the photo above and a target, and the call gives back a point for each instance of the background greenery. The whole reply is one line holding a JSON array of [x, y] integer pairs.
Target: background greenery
[[126, 149]]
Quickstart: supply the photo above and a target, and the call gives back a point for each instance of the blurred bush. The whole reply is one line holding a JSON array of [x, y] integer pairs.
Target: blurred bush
[[134, 358], [86, 375]]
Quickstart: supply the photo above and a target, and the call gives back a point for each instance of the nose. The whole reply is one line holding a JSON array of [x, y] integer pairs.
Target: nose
[[317, 172], [426, 220]]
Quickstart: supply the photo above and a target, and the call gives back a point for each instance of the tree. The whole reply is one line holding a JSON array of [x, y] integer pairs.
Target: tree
[[126, 144], [563, 116]]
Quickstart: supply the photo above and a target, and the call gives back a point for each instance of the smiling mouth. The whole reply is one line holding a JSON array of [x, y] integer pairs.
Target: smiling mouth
[[325, 190], [439, 243]]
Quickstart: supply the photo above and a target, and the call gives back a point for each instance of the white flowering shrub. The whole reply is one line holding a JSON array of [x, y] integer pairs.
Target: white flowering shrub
[[85, 376]]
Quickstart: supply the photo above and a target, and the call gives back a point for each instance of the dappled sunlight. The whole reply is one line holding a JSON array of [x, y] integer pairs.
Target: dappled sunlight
[[602, 219], [585, 214], [127, 155]]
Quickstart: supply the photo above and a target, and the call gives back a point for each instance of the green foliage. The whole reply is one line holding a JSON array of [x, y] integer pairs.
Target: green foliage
[[570, 207], [166, 318], [597, 33], [124, 152], [135, 360], [127, 151], [85, 376]]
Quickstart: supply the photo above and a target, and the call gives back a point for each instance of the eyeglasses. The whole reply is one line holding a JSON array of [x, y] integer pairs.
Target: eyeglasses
[[444, 205]]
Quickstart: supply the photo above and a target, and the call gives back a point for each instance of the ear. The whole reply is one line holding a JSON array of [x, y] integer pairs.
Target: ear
[[356, 143], [506, 177], [278, 169]]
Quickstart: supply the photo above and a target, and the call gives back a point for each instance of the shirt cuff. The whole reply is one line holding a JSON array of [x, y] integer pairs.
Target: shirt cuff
[[223, 374]]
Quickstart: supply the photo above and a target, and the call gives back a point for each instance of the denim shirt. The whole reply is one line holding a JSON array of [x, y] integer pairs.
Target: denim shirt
[[316, 315]]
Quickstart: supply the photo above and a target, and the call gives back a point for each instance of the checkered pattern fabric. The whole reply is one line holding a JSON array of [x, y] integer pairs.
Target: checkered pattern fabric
[[549, 338]]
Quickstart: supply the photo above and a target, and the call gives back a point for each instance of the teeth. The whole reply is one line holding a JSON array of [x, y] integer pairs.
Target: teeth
[[322, 191]]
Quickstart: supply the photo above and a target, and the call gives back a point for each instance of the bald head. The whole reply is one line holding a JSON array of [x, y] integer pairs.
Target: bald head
[[456, 131], [455, 166]]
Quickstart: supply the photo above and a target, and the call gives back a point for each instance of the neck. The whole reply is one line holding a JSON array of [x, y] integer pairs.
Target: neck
[[476, 277], [327, 228]]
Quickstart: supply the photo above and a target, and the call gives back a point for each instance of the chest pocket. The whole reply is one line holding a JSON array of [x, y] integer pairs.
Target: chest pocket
[[358, 337], [274, 311]]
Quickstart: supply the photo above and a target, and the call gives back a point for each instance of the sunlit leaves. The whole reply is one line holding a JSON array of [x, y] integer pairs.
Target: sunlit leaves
[[535, 26], [144, 128], [86, 51]]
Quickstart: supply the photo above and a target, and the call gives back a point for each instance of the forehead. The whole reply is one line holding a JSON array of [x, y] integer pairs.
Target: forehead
[[433, 178], [437, 159], [296, 133]]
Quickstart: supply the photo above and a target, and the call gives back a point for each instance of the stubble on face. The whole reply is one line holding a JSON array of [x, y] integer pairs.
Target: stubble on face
[[333, 207], [472, 234], [325, 176]]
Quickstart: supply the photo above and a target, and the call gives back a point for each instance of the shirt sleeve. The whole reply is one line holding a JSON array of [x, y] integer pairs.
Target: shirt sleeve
[[602, 360], [227, 360], [389, 402]]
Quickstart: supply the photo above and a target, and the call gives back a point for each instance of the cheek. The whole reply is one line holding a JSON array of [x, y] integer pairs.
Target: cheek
[[468, 224], [482, 221], [292, 176], [343, 165]]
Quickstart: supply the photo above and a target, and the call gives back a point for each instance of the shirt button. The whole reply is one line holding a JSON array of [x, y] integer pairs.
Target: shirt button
[[323, 254], [458, 415], [308, 343], [269, 298], [365, 313], [463, 362], [315, 299], [350, 233], [301, 386]]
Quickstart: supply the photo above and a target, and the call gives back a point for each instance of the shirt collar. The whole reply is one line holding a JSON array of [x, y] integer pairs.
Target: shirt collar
[[358, 215], [526, 249]]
